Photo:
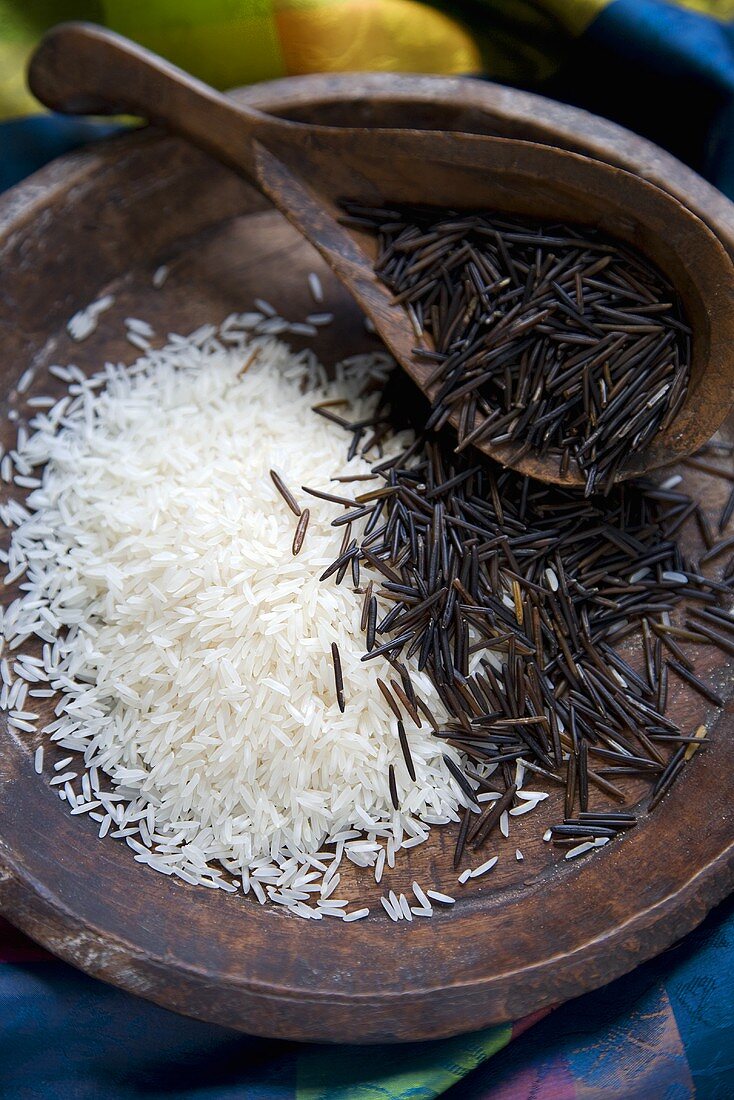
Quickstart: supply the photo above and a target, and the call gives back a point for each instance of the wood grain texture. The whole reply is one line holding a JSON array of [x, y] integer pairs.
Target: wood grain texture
[[528, 935], [305, 169]]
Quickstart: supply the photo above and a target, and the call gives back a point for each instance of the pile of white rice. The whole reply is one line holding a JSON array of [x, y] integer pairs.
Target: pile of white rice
[[186, 650]]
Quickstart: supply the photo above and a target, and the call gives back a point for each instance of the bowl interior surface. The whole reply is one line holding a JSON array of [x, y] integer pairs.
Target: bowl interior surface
[[535, 932]]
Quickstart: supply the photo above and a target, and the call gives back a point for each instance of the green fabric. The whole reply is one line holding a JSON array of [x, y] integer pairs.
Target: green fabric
[[419, 1071]]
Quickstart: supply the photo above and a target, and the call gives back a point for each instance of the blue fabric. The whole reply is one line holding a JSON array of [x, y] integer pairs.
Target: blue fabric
[[666, 73], [26, 144], [696, 54], [64, 1036]]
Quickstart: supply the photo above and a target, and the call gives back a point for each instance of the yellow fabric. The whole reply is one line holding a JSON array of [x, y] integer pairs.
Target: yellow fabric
[[360, 34], [232, 42], [717, 9], [224, 42], [14, 98]]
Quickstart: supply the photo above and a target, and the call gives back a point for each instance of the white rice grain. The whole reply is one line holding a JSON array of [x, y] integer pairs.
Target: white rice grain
[[160, 275], [85, 321], [580, 849], [314, 285], [442, 899], [484, 867], [358, 914]]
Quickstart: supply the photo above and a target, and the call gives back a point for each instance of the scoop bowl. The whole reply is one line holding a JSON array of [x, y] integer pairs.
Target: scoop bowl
[[306, 170]]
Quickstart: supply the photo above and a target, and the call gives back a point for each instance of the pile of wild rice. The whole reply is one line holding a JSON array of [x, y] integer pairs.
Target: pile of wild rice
[[545, 337], [514, 597]]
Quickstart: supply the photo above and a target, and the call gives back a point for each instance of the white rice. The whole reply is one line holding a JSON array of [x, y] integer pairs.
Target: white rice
[[189, 650], [357, 914], [390, 909], [159, 276], [297, 328], [135, 324], [532, 799], [484, 867], [580, 849], [85, 321], [423, 901], [442, 899], [314, 285], [25, 380]]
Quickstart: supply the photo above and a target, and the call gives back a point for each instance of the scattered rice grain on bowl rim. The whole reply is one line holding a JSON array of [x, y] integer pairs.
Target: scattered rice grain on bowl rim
[[191, 652]]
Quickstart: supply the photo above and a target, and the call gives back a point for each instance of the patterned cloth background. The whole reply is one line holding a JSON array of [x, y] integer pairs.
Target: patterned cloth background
[[665, 1032]]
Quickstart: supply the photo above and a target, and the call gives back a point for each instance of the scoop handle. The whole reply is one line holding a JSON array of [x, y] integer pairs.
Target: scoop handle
[[80, 68]]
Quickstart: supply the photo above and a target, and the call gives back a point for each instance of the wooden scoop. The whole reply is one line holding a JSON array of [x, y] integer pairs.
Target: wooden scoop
[[306, 170]]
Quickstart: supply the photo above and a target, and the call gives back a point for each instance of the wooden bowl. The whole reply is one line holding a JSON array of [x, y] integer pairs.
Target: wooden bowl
[[531, 934]]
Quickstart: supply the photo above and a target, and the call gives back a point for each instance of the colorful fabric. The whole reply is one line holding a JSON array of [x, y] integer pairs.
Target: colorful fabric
[[665, 71], [666, 1031], [231, 42]]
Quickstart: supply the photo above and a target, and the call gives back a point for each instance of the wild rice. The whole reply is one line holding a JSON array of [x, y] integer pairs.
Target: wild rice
[[546, 337]]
